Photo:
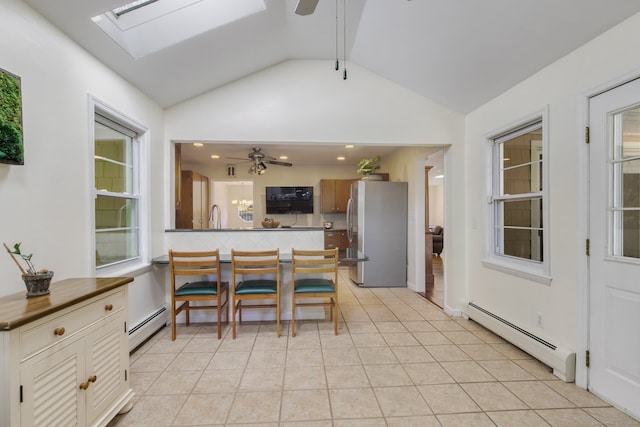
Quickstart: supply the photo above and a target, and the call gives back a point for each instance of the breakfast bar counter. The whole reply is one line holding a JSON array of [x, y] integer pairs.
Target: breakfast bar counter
[[244, 239]]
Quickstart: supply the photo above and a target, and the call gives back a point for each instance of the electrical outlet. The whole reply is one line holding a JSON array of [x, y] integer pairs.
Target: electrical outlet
[[540, 320]]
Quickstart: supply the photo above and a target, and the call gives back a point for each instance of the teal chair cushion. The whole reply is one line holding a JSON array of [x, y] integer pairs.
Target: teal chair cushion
[[257, 286], [199, 288], [314, 285]]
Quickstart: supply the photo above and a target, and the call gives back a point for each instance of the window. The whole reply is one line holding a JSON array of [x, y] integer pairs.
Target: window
[[518, 239], [118, 183]]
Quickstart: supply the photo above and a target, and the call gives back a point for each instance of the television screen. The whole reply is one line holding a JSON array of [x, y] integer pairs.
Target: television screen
[[289, 200]]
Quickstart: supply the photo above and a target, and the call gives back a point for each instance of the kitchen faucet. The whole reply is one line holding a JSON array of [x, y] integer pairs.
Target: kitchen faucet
[[215, 217]]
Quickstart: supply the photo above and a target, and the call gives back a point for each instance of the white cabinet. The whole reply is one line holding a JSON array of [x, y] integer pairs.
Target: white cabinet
[[69, 367]]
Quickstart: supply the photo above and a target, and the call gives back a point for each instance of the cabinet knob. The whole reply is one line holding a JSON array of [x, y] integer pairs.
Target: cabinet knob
[[108, 307], [85, 385], [58, 331]]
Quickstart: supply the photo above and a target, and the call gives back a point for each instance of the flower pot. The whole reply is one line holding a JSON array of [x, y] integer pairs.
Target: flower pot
[[37, 284], [371, 178]]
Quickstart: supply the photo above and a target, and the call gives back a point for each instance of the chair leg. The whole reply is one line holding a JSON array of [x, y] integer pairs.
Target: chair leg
[[219, 320], [335, 316], [278, 316], [293, 315], [186, 313], [173, 321], [233, 318]]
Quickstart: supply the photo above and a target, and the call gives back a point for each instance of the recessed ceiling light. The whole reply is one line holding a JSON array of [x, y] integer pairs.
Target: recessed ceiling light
[[215, 156], [341, 158], [284, 157], [198, 144], [348, 146]]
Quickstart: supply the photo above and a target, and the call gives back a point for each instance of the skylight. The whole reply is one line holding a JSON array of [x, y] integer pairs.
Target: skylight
[[143, 27], [131, 7]]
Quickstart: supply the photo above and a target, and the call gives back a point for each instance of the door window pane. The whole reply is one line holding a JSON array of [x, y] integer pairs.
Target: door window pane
[[625, 210]]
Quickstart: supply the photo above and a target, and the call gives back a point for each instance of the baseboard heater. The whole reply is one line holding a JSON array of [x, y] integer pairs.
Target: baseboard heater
[[562, 360], [143, 330]]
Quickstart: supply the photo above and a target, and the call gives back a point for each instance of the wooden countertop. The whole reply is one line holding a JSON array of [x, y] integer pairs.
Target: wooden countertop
[[16, 309]]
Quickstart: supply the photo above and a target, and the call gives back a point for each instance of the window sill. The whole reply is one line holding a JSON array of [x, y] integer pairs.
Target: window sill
[[132, 268], [520, 271]]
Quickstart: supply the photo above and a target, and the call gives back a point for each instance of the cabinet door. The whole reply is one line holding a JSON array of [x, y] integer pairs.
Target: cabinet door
[[327, 195], [342, 194], [105, 366], [50, 387], [343, 240]]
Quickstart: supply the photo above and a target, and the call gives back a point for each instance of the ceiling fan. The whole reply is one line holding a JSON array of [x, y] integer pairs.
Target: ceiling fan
[[306, 7], [260, 161]]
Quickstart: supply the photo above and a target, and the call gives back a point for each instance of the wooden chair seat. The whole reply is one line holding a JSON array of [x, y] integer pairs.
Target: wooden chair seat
[[197, 288], [257, 286], [314, 285]]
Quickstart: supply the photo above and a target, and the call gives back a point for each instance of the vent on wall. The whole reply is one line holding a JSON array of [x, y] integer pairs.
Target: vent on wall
[[147, 327], [562, 360]]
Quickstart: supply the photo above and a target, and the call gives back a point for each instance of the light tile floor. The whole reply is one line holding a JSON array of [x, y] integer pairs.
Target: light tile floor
[[398, 361]]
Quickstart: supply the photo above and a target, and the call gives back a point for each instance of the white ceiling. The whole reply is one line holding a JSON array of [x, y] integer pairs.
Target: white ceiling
[[459, 53]]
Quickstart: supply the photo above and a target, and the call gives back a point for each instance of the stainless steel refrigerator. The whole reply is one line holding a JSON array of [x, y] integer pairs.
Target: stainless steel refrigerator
[[377, 226]]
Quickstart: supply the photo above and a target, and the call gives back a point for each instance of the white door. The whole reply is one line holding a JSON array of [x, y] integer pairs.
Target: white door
[[614, 263]]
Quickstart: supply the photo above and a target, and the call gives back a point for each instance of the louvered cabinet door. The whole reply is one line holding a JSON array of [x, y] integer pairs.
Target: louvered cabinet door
[[106, 367], [50, 388]]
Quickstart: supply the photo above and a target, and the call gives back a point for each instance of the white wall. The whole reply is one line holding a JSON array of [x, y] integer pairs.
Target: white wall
[[47, 203], [562, 86]]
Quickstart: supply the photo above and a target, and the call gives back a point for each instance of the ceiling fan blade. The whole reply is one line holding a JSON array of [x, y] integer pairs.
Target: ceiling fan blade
[[278, 163], [306, 7]]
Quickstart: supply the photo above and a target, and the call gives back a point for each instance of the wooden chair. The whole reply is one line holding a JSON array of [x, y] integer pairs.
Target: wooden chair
[[203, 265], [253, 266], [314, 274]]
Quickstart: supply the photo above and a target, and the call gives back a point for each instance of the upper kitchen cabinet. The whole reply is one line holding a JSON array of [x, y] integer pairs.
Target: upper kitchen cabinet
[[192, 210], [334, 195]]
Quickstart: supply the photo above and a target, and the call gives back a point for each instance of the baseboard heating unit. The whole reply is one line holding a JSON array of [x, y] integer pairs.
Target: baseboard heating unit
[[562, 360], [143, 330]]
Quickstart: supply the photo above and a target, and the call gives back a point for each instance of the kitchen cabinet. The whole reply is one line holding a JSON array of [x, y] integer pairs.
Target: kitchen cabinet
[[193, 210], [334, 195], [65, 356], [336, 239]]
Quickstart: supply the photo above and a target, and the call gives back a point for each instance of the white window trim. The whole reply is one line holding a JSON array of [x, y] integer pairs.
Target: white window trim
[[142, 262], [539, 272]]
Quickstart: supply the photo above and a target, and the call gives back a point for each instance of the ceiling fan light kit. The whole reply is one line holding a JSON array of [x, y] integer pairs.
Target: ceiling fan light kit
[[259, 162]]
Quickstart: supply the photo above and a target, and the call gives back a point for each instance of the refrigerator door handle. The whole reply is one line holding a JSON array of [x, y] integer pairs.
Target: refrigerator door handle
[[350, 220]]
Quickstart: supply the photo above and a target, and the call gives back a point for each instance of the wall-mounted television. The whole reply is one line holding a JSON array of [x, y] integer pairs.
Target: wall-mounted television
[[289, 200]]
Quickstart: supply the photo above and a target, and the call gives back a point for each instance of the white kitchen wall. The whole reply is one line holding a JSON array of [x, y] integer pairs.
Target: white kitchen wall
[[562, 86], [47, 203]]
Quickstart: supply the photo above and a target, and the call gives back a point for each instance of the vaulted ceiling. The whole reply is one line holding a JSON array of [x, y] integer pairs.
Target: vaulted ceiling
[[459, 53]]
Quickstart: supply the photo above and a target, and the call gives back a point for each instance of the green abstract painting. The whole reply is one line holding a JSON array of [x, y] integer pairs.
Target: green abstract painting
[[11, 148]]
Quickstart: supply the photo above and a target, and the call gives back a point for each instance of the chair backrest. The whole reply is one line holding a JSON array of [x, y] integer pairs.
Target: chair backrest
[[319, 261], [255, 262], [199, 263]]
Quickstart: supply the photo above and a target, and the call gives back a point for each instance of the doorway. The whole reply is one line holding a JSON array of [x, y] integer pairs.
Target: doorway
[[434, 228], [614, 236]]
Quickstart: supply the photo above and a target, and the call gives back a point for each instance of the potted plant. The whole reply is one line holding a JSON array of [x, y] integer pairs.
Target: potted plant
[[36, 281], [366, 167]]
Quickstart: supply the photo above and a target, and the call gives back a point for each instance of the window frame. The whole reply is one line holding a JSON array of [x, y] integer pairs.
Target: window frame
[[538, 271], [141, 187]]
